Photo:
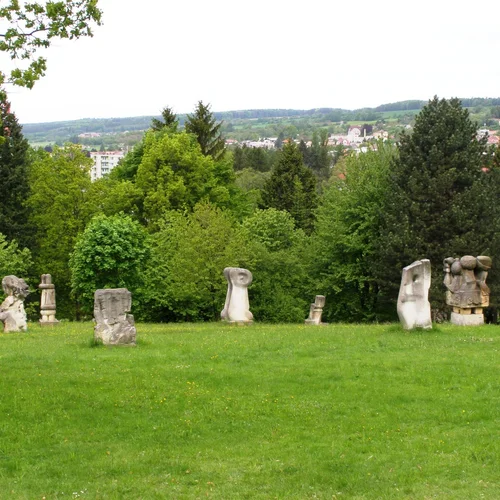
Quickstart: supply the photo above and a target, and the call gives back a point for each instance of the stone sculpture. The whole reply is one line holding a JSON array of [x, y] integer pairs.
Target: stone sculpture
[[12, 313], [114, 326], [414, 308], [237, 308], [467, 292], [47, 301], [316, 311]]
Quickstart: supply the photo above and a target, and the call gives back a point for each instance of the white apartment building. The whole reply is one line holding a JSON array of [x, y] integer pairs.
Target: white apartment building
[[104, 162]]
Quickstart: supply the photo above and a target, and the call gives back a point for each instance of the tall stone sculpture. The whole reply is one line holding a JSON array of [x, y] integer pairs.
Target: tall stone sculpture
[[12, 313], [47, 301], [237, 308], [467, 292], [114, 326], [414, 308], [316, 311]]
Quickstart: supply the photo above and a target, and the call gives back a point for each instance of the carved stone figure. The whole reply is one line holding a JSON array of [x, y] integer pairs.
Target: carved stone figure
[[12, 313], [237, 308], [467, 292], [114, 326], [316, 311], [414, 308], [47, 301]]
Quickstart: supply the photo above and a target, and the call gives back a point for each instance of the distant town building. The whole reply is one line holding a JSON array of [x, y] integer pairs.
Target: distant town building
[[104, 162]]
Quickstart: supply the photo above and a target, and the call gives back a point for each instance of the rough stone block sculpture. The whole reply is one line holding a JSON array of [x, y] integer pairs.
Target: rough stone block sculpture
[[237, 308], [12, 313], [316, 311], [467, 292], [414, 308], [47, 301], [114, 326]]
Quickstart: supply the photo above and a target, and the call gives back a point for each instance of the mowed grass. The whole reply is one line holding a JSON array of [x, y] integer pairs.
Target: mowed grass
[[263, 411]]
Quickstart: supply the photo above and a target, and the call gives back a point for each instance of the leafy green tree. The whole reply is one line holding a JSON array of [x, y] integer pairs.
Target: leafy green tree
[[184, 279], [174, 174], [14, 221], [345, 243], [170, 121], [128, 166], [14, 260], [439, 199], [205, 128], [34, 25], [292, 187], [110, 253]]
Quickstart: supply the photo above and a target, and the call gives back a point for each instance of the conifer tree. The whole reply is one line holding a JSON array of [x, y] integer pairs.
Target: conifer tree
[[14, 222], [170, 120], [204, 126], [292, 187]]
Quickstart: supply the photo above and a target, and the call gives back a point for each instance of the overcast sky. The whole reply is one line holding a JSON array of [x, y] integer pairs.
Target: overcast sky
[[267, 54]]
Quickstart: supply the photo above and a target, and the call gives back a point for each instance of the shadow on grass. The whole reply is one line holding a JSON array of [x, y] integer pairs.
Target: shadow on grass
[[397, 328]]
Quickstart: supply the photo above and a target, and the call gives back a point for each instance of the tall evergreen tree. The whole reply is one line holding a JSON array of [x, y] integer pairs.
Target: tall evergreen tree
[[439, 202], [170, 120], [292, 187], [14, 222], [204, 126]]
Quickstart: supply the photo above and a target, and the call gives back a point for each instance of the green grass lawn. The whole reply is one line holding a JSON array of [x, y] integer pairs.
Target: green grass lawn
[[218, 411]]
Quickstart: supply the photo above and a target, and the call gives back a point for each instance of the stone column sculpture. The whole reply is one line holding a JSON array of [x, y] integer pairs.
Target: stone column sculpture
[[12, 313], [114, 326], [467, 292], [47, 301], [316, 311], [414, 308], [237, 308]]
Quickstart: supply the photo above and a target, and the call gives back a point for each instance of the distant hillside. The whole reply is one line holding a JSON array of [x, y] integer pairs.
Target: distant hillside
[[237, 124]]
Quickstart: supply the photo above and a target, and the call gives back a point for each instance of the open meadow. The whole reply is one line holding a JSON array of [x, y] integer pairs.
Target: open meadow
[[262, 411]]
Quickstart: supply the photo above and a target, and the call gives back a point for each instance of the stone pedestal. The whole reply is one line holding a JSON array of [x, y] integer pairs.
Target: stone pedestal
[[316, 311], [237, 308], [414, 308], [114, 326], [467, 319], [47, 301], [12, 313]]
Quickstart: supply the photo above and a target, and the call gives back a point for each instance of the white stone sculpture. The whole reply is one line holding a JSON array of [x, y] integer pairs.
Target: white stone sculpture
[[414, 309], [237, 308], [316, 311], [47, 301], [12, 313], [114, 326], [467, 291]]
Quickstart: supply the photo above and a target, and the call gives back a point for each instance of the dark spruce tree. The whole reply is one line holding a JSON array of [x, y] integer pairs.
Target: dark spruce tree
[[14, 222], [440, 201], [292, 187], [170, 121], [204, 126]]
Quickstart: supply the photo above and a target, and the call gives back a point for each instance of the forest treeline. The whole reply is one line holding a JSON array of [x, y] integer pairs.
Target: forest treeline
[[304, 219]]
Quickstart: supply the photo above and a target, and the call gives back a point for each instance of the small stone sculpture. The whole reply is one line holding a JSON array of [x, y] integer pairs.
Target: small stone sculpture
[[467, 292], [48, 301], [114, 326], [237, 308], [316, 311], [414, 309], [12, 313]]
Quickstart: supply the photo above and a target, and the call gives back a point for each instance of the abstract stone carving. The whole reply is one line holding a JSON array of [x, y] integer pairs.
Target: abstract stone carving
[[48, 301], [316, 311], [114, 326], [414, 308], [237, 308], [12, 313], [467, 292]]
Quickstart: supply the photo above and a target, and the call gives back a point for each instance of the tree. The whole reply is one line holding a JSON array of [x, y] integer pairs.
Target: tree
[[14, 260], [34, 25], [170, 121], [110, 253], [205, 128], [440, 203], [292, 187], [14, 221]]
